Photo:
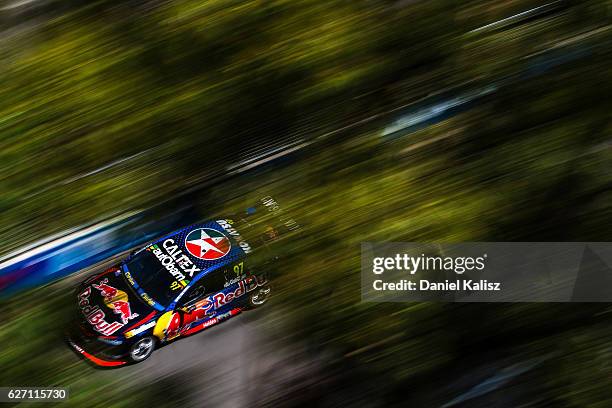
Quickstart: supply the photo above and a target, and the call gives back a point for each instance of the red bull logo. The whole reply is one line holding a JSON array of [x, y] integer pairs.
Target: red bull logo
[[107, 291], [115, 299], [122, 308], [220, 299], [177, 326], [193, 322], [95, 316], [174, 324]]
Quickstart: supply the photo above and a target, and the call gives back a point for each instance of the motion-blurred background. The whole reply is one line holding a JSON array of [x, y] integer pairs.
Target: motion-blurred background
[[373, 120]]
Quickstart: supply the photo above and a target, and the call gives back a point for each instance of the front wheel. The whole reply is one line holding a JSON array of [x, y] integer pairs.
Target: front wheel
[[259, 297], [142, 349]]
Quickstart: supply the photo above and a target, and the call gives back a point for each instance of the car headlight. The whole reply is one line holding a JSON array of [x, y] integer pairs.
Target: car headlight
[[112, 342]]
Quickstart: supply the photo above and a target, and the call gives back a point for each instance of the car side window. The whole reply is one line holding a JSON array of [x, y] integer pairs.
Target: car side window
[[209, 284], [194, 294]]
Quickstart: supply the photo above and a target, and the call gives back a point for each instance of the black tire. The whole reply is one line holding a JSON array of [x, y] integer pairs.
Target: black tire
[[259, 297], [141, 349]]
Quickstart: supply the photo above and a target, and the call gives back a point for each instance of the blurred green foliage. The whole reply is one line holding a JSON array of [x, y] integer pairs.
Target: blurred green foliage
[[190, 80], [188, 84], [531, 164]]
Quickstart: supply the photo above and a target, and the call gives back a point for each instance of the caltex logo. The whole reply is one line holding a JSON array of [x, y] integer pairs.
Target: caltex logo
[[207, 244]]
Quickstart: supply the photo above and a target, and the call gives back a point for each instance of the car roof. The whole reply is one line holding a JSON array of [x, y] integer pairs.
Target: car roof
[[188, 240]]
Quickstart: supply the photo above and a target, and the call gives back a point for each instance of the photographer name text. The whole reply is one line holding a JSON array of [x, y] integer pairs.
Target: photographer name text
[[456, 266]]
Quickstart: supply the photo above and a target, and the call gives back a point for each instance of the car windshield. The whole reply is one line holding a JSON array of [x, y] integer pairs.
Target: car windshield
[[152, 277]]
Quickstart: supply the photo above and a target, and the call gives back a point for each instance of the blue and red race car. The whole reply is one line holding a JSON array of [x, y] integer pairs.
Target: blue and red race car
[[180, 284]]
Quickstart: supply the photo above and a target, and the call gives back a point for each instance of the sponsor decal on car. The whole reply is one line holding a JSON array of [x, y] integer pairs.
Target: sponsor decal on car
[[231, 281], [169, 263], [227, 226], [238, 271], [207, 244], [147, 299], [191, 323], [224, 297], [170, 325], [95, 316], [181, 259], [128, 276], [173, 324], [115, 299], [167, 326], [211, 322]]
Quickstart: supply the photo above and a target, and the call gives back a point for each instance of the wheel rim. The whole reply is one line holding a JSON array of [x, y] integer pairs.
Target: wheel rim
[[142, 349], [261, 296]]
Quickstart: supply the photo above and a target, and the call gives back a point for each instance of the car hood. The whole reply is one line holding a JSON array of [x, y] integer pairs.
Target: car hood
[[109, 306]]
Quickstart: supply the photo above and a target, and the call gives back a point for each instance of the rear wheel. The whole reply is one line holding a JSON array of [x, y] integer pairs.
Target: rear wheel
[[259, 297], [142, 349]]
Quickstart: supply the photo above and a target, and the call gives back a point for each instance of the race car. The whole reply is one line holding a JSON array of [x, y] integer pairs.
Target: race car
[[178, 285]]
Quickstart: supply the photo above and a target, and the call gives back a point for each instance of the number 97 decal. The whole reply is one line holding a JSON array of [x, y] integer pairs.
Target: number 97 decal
[[238, 269]]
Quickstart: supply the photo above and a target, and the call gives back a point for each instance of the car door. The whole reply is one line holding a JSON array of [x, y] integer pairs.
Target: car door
[[191, 309], [206, 286]]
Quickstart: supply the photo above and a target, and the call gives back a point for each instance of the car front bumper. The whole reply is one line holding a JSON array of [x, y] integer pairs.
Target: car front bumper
[[94, 350]]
